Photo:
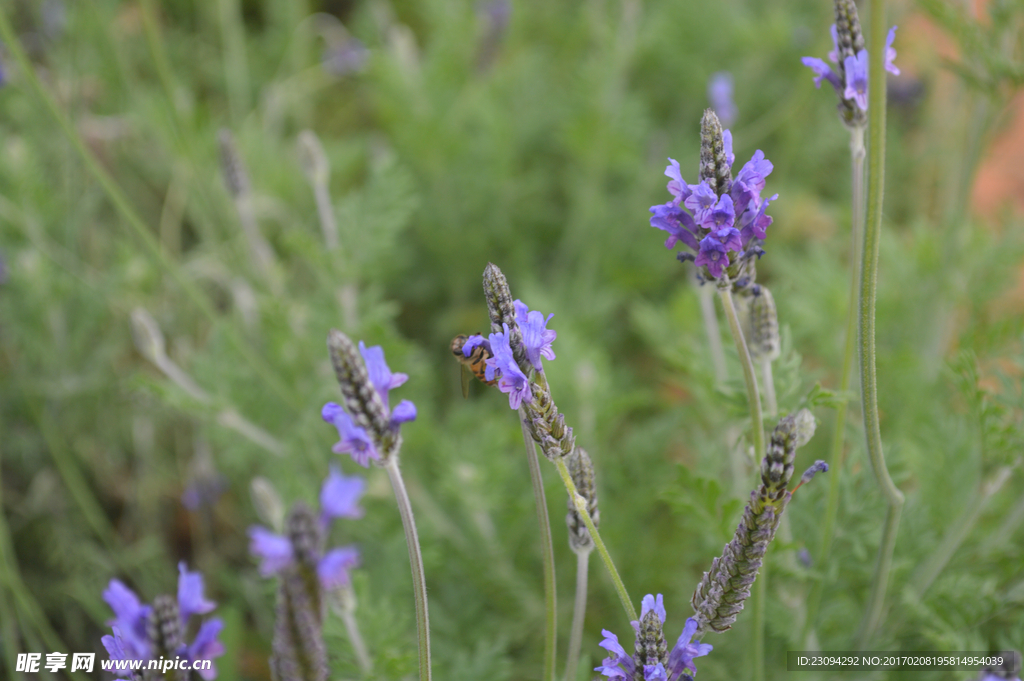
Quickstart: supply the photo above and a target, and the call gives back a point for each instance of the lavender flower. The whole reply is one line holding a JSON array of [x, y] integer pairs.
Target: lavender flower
[[850, 75], [537, 337], [720, 219], [511, 378], [339, 498], [142, 632], [366, 424], [720, 97], [652, 660]]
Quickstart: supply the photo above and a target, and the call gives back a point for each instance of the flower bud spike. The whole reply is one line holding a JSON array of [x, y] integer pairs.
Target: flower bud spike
[[714, 167], [303, 531], [581, 469], [236, 178], [502, 311], [361, 400], [764, 324]]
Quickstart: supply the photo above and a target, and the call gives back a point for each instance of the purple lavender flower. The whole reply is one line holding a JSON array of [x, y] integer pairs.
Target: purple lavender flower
[[380, 375], [355, 441], [890, 53], [512, 379], [679, 660], [131, 639], [472, 342], [273, 550], [334, 567], [717, 228], [677, 187], [677, 222], [712, 255], [537, 337], [339, 498], [857, 79], [850, 75], [702, 201], [720, 96]]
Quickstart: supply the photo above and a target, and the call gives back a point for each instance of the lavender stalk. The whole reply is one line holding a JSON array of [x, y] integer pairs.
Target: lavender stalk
[[547, 550], [369, 430], [581, 468], [318, 171], [868, 292]]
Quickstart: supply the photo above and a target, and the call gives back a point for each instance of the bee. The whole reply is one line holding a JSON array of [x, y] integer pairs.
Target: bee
[[475, 363]]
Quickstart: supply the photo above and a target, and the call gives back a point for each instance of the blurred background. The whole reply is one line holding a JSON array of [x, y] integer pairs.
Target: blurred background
[[162, 331]]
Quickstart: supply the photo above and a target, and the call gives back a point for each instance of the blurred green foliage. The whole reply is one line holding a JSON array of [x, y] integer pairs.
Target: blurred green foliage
[[538, 147]]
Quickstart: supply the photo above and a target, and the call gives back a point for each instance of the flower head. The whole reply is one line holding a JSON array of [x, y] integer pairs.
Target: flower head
[[657, 666], [354, 441], [717, 225], [511, 379], [131, 638], [537, 337]]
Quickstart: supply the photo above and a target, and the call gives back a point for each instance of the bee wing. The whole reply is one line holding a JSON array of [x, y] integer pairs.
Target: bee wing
[[466, 375]]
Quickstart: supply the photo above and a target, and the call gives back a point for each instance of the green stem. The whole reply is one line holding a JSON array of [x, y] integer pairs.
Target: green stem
[[579, 613], [857, 153], [138, 227], [581, 507], [348, 616], [868, 292], [710, 316], [547, 552], [419, 582], [753, 395], [771, 406]]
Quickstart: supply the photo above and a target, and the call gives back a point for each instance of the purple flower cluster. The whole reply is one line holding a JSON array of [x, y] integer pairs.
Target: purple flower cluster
[[355, 441], [680, 659], [131, 639], [537, 339], [851, 83], [717, 228], [339, 498]]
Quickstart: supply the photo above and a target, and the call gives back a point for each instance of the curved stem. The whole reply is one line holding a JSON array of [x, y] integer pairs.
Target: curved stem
[[581, 507], [547, 552], [753, 396], [857, 153], [419, 582], [579, 613], [771, 406], [868, 292], [348, 616]]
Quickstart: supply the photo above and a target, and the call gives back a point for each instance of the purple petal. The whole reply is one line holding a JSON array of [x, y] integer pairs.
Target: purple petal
[[857, 79], [273, 550], [655, 672], [833, 56], [890, 53], [713, 256], [512, 381], [730, 157], [682, 654], [472, 342], [701, 201], [377, 368], [722, 216], [677, 186], [115, 649], [404, 411], [190, 594], [339, 495], [650, 603], [677, 222], [822, 72], [129, 615], [334, 567], [720, 97], [536, 336], [354, 440], [206, 646]]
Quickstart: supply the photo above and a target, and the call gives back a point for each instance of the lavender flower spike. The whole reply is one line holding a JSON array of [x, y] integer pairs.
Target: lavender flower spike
[[511, 379], [653, 661]]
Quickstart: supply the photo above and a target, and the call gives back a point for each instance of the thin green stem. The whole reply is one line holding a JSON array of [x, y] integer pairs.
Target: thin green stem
[[135, 222], [581, 507], [579, 614], [771, 406], [857, 153], [419, 582], [753, 395], [547, 553], [710, 316], [348, 616], [868, 292]]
